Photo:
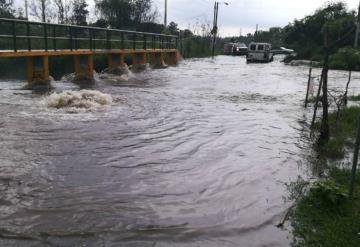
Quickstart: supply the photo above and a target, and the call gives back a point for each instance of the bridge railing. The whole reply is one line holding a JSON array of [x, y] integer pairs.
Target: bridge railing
[[21, 35]]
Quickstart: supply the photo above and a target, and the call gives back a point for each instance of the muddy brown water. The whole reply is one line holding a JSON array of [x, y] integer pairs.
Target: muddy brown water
[[193, 155]]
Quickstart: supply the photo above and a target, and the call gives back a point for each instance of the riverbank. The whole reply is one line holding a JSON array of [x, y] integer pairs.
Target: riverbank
[[325, 215]]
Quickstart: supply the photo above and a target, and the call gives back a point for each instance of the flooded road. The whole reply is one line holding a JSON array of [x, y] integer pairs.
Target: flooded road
[[194, 155]]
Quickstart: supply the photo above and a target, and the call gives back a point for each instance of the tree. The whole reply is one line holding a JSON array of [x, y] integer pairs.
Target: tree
[[116, 13], [150, 27], [172, 29], [100, 23], [42, 10], [187, 33], [125, 14], [63, 8], [79, 13], [6, 9], [334, 34], [306, 36], [142, 11]]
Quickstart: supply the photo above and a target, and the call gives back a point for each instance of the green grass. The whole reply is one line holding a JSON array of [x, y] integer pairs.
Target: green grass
[[198, 47], [342, 133], [312, 100], [325, 216], [354, 98]]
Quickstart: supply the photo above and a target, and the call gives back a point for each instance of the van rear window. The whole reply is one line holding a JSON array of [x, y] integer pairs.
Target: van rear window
[[260, 47], [253, 47]]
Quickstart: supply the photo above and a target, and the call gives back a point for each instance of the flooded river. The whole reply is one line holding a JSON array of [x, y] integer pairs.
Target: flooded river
[[193, 155]]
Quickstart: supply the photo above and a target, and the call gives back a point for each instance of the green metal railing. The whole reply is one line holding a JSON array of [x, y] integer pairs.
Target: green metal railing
[[20, 35]]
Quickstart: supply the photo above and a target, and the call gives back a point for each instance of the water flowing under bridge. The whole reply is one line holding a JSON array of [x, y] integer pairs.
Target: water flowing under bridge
[[38, 41]]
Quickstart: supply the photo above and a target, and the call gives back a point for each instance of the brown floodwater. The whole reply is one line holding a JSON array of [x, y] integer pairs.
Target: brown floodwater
[[193, 155]]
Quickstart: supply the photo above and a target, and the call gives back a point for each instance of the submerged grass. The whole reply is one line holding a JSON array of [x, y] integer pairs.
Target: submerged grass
[[325, 216], [312, 99]]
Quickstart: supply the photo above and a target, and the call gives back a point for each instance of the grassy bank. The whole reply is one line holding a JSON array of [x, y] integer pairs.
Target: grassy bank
[[325, 216]]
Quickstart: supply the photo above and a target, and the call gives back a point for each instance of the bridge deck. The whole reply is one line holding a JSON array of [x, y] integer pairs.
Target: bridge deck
[[39, 41], [20, 38], [36, 53]]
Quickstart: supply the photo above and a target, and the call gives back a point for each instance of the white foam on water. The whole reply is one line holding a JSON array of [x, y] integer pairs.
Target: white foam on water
[[119, 75], [78, 101], [118, 78]]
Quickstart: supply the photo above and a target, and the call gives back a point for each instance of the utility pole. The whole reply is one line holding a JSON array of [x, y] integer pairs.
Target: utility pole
[[215, 27], [43, 10], [357, 29], [216, 9], [165, 15], [256, 32], [26, 10]]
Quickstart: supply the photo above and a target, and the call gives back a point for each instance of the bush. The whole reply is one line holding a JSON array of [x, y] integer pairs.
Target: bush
[[345, 59], [328, 194]]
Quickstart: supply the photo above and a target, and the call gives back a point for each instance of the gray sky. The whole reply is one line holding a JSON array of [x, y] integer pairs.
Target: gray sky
[[240, 14]]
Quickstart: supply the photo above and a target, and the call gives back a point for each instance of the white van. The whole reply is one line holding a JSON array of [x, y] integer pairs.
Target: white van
[[259, 52]]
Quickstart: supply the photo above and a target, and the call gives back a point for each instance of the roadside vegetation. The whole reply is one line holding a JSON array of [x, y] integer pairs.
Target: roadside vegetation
[[327, 211], [325, 215], [306, 36]]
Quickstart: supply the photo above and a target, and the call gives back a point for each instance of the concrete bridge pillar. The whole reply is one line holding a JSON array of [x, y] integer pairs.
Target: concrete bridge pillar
[[139, 61], [117, 65], [172, 58], [38, 70], [139, 58], [84, 68], [115, 61], [158, 60]]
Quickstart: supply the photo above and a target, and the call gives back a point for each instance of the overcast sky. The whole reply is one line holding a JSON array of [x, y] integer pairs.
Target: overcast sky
[[242, 14], [239, 15]]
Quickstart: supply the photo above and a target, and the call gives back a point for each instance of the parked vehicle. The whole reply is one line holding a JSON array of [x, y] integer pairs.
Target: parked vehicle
[[235, 49], [259, 53], [240, 49]]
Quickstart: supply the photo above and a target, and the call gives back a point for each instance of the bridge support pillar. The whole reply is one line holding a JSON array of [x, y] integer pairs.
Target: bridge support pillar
[[117, 65], [115, 61], [173, 58], [84, 68], [158, 60], [139, 61], [38, 73]]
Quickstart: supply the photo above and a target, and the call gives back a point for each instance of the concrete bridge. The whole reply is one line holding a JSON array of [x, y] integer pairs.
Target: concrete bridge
[[38, 41]]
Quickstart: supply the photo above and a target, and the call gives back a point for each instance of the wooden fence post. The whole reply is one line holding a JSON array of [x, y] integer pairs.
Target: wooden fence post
[[316, 102], [355, 160], [308, 86]]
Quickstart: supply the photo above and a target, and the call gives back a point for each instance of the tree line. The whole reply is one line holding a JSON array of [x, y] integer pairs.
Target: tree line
[[306, 36], [139, 15]]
